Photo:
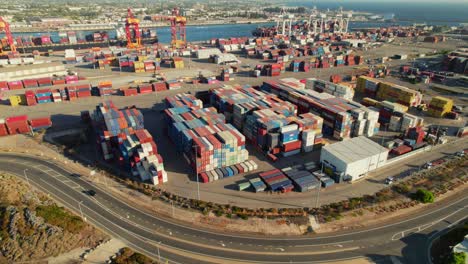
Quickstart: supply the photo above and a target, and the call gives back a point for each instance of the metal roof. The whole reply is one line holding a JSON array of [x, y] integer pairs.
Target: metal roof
[[355, 149]]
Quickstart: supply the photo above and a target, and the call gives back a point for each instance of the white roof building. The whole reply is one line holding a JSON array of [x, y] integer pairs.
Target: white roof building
[[354, 157], [462, 247]]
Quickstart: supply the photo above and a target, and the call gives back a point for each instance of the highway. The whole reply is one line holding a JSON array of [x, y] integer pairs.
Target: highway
[[161, 238]]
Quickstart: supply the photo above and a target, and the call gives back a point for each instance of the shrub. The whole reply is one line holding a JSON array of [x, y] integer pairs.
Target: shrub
[[424, 196], [402, 188], [219, 213], [457, 258], [243, 216], [57, 216]]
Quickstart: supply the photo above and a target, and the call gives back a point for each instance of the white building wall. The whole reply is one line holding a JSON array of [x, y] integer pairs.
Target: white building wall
[[357, 169]]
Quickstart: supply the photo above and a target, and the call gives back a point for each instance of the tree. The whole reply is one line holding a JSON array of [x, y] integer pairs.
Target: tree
[[424, 196], [457, 258]]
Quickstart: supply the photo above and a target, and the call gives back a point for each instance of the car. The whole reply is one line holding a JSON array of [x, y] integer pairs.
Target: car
[[389, 180], [427, 165], [91, 192], [460, 154]]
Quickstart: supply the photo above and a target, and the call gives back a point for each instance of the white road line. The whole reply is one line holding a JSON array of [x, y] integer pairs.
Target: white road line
[[420, 228]]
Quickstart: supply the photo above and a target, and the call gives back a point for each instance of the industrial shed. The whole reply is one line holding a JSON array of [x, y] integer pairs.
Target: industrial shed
[[206, 53], [353, 158], [226, 58]]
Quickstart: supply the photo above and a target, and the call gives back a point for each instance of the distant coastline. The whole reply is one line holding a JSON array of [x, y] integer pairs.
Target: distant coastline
[[217, 23]]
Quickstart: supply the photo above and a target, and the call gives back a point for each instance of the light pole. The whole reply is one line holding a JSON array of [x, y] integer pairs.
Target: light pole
[[196, 171], [318, 190], [81, 211], [159, 255], [26, 176], [172, 205]]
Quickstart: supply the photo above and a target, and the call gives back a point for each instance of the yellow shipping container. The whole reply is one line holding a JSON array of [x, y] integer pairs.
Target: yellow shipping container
[[16, 100], [370, 101], [398, 93], [440, 106], [362, 82]]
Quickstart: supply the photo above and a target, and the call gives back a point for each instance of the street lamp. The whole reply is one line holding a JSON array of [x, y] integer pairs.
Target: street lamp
[[81, 211], [196, 170], [319, 187], [159, 255], [26, 176]]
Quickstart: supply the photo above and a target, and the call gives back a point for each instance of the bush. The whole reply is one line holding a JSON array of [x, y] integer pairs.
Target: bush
[[402, 188], [424, 196], [457, 258], [57, 216], [243, 216], [219, 213]]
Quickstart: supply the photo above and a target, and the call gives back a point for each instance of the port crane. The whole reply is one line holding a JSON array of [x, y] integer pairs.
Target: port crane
[[132, 31], [178, 30], [5, 27], [284, 23]]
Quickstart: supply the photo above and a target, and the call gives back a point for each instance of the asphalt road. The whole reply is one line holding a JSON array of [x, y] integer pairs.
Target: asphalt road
[[162, 238]]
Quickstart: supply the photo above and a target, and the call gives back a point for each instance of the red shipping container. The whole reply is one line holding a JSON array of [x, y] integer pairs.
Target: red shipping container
[[266, 173], [12, 119], [20, 127], [30, 83], [292, 146], [44, 81], [40, 122], [14, 85], [129, 92], [3, 86], [81, 94], [31, 101], [58, 81], [401, 150], [3, 130]]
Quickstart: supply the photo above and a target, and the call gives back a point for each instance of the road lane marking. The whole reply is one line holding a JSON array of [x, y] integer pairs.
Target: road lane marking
[[404, 233]]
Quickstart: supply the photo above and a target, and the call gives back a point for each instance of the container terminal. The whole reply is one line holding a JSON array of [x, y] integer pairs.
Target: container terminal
[[296, 115]]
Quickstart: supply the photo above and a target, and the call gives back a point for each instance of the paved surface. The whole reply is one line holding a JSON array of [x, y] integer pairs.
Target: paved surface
[[157, 237]]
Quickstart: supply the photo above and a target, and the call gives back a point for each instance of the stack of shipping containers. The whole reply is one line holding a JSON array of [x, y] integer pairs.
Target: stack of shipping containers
[[440, 106], [121, 136], [214, 149], [341, 118], [276, 180], [267, 121], [330, 88]]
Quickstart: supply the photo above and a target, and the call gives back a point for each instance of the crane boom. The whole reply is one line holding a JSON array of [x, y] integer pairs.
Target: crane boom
[[5, 27], [178, 29], [132, 30]]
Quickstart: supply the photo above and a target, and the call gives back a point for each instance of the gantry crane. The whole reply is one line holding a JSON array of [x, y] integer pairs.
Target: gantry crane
[[178, 30], [5, 27], [132, 30]]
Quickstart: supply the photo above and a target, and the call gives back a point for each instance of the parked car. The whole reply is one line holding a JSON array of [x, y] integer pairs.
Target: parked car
[[389, 180]]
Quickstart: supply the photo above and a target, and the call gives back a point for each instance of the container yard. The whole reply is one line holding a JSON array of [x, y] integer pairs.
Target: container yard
[[276, 102]]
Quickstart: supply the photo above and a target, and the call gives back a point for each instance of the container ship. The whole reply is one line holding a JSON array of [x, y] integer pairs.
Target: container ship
[[74, 40]]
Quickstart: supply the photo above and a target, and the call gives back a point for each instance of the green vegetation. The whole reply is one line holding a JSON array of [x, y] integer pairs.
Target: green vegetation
[[457, 258], [57, 216], [424, 196], [128, 256]]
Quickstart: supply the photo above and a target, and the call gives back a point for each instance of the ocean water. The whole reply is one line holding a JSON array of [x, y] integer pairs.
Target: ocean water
[[417, 11], [202, 33]]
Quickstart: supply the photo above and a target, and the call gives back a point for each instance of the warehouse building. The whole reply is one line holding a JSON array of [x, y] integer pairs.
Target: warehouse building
[[353, 158]]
